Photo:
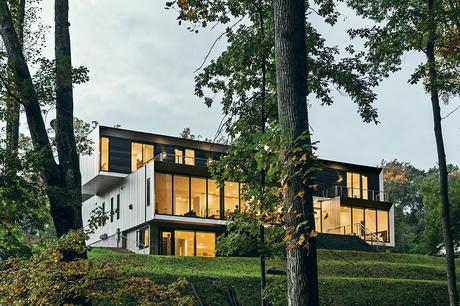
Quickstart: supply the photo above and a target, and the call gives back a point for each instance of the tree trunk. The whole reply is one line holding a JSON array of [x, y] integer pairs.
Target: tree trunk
[[443, 175], [12, 105], [65, 138], [263, 120], [63, 181], [291, 75]]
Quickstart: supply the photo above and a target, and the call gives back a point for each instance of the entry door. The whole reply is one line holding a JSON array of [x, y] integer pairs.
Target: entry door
[[166, 243]]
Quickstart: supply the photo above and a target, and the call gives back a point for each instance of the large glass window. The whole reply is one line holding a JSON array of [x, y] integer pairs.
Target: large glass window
[[205, 244], [330, 214], [140, 154], [143, 239], [382, 225], [371, 222], [181, 195], [345, 220], [231, 198], [213, 200], [357, 185], [189, 157], [136, 156], [198, 197], [163, 193], [184, 243], [104, 154]]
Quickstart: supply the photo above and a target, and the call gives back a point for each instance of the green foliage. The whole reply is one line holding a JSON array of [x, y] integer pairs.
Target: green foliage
[[415, 194], [431, 235], [23, 204], [243, 238], [46, 279], [405, 26]]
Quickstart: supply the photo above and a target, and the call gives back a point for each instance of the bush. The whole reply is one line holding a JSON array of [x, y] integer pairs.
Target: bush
[[46, 279]]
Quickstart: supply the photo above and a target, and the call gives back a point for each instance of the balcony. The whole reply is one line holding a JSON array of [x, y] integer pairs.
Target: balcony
[[356, 193], [182, 160]]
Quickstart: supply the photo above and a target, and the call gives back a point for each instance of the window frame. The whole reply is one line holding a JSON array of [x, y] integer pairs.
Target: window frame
[[142, 143]]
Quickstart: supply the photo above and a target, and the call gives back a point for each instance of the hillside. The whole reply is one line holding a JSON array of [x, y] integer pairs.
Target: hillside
[[346, 277]]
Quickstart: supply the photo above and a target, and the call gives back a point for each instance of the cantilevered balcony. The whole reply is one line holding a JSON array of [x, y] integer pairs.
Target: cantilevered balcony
[[356, 193]]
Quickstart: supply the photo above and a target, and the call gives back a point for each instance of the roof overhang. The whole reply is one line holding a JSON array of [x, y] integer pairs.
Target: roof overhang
[[102, 182]]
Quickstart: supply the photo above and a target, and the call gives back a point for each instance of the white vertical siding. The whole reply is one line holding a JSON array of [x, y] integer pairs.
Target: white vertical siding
[[132, 191], [89, 164]]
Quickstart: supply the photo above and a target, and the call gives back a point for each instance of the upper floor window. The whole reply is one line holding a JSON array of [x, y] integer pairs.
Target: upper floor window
[[140, 154], [357, 186], [178, 156], [104, 154], [189, 157]]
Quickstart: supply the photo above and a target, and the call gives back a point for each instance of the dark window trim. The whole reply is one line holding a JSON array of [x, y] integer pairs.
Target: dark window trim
[[111, 209], [118, 206], [148, 191]]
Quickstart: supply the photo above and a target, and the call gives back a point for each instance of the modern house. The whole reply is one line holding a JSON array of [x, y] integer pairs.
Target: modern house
[[160, 198]]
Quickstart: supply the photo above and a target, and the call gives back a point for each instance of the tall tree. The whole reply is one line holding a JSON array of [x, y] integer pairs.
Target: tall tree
[[62, 180], [291, 77], [430, 27]]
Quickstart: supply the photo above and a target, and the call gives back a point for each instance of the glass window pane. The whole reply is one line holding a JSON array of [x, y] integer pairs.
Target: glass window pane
[[317, 207], [104, 158], [358, 221], [178, 156], [181, 195], [213, 200], [371, 219], [163, 193], [331, 216], [147, 153], [364, 187], [382, 225], [356, 185], [345, 220], [189, 157], [184, 243], [198, 197], [231, 198], [205, 244], [349, 185], [146, 237], [136, 156]]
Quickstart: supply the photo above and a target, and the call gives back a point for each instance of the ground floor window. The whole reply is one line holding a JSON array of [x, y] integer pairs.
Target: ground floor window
[[188, 243], [143, 239]]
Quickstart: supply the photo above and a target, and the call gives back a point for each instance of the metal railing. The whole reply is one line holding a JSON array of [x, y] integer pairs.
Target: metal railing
[[358, 229], [349, 192], [181, 159]]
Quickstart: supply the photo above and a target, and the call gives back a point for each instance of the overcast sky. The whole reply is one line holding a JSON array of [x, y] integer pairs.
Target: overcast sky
[[141, 77]]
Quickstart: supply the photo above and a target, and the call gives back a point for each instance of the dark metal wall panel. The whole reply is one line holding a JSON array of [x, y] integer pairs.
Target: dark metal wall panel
[[119, 155]]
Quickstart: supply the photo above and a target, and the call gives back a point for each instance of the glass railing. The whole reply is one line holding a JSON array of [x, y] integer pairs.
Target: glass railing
[[349, 192], [183, 160]]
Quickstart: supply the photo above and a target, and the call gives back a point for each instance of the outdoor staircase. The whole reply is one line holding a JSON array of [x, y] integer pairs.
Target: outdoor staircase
[[343, 242]]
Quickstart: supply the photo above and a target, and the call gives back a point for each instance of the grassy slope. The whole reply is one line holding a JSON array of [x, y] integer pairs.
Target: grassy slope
[[361, 279]]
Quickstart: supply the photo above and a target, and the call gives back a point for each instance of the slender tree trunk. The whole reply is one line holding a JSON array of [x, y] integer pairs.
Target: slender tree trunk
[[291, 75], [12, 105], [443, 175], [263, 276]]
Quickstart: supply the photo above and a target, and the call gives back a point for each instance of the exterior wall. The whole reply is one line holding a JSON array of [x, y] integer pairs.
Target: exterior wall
[[133, 209], [89, 164]]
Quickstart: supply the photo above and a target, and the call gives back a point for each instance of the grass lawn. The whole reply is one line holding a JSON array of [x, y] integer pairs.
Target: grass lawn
[[362, 279]]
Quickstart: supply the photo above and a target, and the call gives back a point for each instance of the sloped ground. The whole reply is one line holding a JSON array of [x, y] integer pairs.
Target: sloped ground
[[346, 277]]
